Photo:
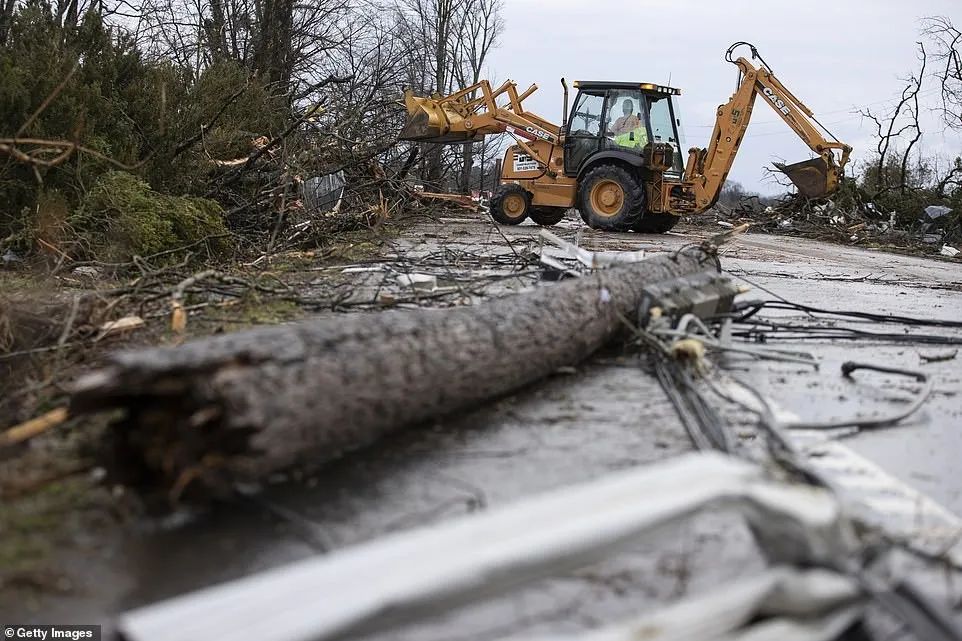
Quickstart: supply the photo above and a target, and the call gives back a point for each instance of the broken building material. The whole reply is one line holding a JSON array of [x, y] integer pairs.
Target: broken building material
[[780, 603], [242, 406], [409, 576]]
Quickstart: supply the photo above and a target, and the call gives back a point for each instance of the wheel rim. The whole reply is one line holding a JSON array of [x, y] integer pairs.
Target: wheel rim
[[514, 205], [607, 198]]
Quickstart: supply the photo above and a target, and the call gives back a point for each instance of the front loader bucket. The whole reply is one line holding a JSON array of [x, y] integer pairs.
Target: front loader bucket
[[429, 121], [814, 178]]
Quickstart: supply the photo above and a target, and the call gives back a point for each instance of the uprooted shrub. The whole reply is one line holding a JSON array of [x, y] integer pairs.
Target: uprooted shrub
[[121, 217]]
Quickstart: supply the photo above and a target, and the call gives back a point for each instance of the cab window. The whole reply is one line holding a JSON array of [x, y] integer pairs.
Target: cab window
[[586, 115], [663, 126], [584, 129]]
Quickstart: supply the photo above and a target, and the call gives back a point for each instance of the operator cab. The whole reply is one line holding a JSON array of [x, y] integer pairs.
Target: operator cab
[[620, 118]]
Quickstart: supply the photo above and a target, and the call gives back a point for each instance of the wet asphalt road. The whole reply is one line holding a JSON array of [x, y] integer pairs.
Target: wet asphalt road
[[605, 415]]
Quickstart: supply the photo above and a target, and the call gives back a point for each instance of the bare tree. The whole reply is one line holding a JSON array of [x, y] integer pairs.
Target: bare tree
[[454, 38], [364, 116], [480, 27], [947, 56], [950, 181], [279, 39], [900, 125], [431, 24]]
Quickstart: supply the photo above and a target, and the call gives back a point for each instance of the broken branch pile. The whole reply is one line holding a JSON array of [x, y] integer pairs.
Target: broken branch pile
[[239, 407]]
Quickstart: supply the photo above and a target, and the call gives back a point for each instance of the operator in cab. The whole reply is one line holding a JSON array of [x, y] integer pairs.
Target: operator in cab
[[628, 131], [628, 121]]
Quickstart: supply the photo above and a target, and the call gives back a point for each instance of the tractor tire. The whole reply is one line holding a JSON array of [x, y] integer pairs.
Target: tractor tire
[[547, 216], [656, 223], [611, 198], [510, 204]]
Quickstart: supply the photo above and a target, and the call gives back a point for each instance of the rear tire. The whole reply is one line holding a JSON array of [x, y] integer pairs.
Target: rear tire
[[611, 198], [510, 204], [547, 216], [656, 223]]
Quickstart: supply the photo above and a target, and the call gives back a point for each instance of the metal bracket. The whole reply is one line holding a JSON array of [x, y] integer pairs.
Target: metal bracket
[[704, 295]]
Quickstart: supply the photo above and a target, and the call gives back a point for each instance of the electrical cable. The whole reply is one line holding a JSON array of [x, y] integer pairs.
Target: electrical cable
[[766, 330], [801, 332], [902, 600], [871, 422], [705, 427], [753, 307]]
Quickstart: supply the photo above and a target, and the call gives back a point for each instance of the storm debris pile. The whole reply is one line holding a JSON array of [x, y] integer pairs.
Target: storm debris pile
[[934, 229]]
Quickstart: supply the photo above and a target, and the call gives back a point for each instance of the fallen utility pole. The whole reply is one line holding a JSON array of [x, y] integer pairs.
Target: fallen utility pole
[[239, 407]]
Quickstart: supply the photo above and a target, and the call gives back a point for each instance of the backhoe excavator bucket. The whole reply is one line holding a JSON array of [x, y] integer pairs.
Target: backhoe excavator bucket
[[429, 121], [814, 178]]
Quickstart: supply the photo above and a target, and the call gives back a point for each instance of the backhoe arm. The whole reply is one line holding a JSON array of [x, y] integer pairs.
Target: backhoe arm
[[707, 168]]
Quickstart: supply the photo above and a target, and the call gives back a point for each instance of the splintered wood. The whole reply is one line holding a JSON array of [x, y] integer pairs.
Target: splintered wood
[[239, 407]]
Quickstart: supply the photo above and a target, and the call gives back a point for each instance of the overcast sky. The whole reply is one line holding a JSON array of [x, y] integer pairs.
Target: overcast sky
[[835, 55]]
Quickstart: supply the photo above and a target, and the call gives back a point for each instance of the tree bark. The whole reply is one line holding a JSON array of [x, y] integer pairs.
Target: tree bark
[[6, 19], [242, 406], [216, 29], [272, 54], [467, 164]]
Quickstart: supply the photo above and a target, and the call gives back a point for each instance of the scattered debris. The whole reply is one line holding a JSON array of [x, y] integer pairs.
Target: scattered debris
[[426, 282], [855, 222], [939, 358], [324, 193], [178, 317], [933, 212], [559, 250], [125, 324], [33, 427], [822, 578], [948, 250], [10, 258], [87, 271], [468, 202]]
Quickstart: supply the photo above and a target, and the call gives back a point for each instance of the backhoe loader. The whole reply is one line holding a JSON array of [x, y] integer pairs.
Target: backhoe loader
[[616, 157]]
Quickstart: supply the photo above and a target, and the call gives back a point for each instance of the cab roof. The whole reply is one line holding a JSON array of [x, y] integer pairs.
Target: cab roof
[[644, 86]]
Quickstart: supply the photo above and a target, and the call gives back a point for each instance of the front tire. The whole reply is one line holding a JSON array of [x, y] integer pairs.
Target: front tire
[[547, 216], [656, 223], [510, 204], [611, 198]]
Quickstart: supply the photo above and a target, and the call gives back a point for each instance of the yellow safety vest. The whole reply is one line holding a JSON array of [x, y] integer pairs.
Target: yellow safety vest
[[638, 137]]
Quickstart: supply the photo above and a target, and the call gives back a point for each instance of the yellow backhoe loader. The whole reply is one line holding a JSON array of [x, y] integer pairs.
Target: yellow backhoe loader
[[617, 155]]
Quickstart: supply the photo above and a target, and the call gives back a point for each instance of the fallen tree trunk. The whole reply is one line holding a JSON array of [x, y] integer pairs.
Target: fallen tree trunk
[[241, 406]]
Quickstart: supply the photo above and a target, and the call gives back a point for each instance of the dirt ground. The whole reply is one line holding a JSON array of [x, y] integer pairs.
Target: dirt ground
[[74, 547]]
